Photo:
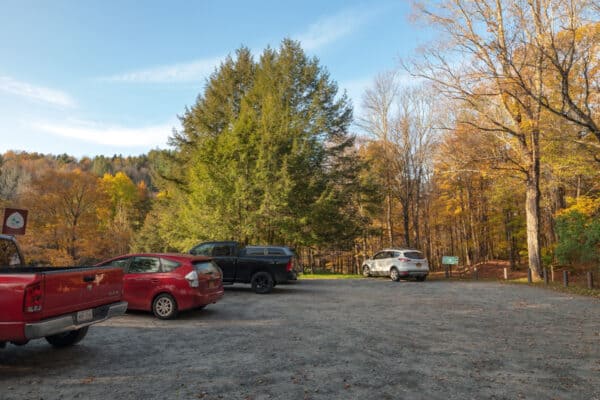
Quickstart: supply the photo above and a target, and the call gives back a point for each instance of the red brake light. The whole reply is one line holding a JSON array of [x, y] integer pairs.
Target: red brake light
[[33, 298], [289, 266], [403, 259]]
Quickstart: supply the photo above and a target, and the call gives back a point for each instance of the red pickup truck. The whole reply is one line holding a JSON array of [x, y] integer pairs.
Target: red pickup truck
[[58, 304]]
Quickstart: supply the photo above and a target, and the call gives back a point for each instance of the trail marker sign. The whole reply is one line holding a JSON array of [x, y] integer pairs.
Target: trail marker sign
[[449, 260], [15, 221]]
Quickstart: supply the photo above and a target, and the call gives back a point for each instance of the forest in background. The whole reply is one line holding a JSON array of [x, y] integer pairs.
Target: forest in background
[[496, 156]]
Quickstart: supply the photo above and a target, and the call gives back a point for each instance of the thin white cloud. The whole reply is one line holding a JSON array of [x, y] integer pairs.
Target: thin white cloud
[[193, 71], [150, 136], [332, 28], [355, 88], [323, 32], [37, 93]]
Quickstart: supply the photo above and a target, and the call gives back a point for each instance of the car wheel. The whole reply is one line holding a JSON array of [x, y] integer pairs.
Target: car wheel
[[65, 339], [421, 278], [394, 275], [262, 282], [366, 271], [164, 306]]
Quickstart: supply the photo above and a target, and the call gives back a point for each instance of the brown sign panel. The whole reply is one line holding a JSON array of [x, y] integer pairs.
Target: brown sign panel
[[15, 221]]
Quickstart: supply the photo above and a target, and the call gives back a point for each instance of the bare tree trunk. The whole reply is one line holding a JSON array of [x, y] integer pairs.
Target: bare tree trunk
[[532, 214], [475, 246], [389, 220], [416, 219], [465, 239], [406, 221]]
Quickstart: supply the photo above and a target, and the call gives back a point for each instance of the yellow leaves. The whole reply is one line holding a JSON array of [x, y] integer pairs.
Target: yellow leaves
[[587, 32], [585, 205], [527, 125], [120, 188]]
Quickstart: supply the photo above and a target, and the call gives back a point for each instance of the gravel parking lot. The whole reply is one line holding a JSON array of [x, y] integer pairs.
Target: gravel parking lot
[[326, 339]]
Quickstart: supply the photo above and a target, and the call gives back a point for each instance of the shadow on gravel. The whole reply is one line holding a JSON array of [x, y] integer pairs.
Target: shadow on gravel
[[29, 360], [279, 290]]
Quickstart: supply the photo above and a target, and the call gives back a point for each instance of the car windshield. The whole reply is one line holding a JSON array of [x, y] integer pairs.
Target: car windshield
[[413, 255]]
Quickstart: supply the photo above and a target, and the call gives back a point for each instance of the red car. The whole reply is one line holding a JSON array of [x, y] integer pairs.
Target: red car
[[168, 283]]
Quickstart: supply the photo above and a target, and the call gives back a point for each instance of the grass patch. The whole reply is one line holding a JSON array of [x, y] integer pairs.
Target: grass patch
[[330, 276], [557, 286], [560, 287]]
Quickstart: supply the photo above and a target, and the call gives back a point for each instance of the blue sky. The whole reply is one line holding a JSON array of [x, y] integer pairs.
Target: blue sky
[[111, 77]]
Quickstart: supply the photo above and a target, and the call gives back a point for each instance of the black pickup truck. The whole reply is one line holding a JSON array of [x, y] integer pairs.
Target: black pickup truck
[[261, 266]]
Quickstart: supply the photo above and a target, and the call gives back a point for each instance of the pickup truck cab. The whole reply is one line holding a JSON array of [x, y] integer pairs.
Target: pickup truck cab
[[261, 266], [55, 303]]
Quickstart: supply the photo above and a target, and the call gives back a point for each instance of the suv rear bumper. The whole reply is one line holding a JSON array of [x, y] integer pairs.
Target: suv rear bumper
[[413, 273], [69, 322]]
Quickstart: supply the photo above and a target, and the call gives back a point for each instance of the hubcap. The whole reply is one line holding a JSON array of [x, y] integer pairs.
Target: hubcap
[[164, 306], [394, 274], [261, 282], [366, 271]]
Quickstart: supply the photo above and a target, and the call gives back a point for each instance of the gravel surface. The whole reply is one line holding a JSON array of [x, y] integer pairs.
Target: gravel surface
[[327, 339]]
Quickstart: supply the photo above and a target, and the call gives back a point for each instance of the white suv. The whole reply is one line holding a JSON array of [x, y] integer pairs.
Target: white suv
[[397, 263]]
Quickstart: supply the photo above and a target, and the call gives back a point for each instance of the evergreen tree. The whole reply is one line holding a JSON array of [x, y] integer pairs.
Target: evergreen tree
[[262, 155]]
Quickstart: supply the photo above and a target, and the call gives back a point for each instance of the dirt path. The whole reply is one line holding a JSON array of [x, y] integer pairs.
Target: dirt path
[[352, 339]]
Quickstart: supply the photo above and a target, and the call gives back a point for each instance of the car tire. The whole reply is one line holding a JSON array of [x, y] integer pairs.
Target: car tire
[[69, 338], [394, 274], [366, 271], [164, 306], [262, 282], [421, 278]]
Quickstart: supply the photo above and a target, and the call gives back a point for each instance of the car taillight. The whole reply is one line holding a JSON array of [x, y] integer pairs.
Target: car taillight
[[289, 266], [33, 298], [192, 278], [403, 259]]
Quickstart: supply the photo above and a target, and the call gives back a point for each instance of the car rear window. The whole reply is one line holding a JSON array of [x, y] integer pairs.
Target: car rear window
[[207, 267], [413, 255]]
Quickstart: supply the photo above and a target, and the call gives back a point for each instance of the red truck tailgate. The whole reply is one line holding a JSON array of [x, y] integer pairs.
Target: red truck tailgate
[[82, 288]]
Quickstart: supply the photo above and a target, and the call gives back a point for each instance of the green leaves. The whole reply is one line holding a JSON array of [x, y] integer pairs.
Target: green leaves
[[259, 156], [578, 229]]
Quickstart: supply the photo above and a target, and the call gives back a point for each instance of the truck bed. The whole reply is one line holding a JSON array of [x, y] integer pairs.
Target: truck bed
[[35, 270], [61, 290]]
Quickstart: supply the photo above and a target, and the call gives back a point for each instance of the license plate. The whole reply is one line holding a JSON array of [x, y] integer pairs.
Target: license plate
[[418, 264], [212, 284], [85, 315]]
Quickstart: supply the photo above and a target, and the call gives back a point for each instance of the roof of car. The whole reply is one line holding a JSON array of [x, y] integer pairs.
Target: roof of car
[[166, 255], [263, 246], [400, 249]]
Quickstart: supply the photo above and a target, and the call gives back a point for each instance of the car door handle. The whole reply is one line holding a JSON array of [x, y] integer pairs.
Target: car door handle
[[89, 278], [155, 281]]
